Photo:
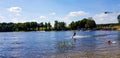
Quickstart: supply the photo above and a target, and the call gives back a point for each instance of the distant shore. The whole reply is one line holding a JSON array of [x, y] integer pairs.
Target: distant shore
[[59, 26]]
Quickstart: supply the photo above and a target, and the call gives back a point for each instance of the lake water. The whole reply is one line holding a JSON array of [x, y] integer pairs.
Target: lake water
[[59, 45]]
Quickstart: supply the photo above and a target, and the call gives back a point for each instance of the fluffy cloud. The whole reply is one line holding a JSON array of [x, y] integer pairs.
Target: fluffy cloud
[[15, 20], [2, 17], [77, 13], [42, 17], [74, 15], [101, 16], [105, 18], [53, 13], [19, 20], [15, 9]]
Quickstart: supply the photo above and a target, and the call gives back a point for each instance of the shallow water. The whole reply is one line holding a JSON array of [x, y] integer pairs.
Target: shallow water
[[59, 45]]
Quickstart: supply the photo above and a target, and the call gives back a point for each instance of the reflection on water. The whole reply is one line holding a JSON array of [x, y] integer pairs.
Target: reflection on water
[[59, 45]]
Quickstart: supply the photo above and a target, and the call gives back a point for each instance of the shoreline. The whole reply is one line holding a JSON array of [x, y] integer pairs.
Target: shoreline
[[62, 30], [84, 55]]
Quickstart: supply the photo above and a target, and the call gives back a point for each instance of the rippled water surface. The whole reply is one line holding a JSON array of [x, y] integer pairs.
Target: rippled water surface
[[59, 44]]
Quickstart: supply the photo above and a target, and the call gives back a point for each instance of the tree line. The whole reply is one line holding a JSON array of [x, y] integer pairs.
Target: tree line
[[27, 26], [85, 23]]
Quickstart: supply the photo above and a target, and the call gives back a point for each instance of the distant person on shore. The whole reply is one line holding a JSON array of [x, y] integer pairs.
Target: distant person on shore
[[74, 34]]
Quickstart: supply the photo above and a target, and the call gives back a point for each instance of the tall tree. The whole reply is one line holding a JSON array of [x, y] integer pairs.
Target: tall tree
[[56, 25], [62, 25], [46, 25], [59, 26], [41, 25], [72, 25], [49, 26], [85, 23], [118, 18]]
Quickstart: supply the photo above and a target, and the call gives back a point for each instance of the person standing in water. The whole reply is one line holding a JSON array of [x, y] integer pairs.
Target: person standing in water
[[74, 34]]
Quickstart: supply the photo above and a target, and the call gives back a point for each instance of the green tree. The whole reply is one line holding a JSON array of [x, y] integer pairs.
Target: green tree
[[46, 26], [56, 25], [62, 25], [34, 25], [118, 18], [90, 24], [59, 26], [41, 25], [49, 26], [72, 25], [83, 22]]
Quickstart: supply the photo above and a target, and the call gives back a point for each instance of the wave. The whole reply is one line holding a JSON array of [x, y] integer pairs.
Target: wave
[[77, 36], [101, 35]]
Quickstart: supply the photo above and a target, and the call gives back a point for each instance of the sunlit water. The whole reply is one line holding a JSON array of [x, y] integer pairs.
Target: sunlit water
[[59, 45]]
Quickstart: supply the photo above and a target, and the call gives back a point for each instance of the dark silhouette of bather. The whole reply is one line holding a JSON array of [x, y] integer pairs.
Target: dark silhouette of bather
[[74, 34]]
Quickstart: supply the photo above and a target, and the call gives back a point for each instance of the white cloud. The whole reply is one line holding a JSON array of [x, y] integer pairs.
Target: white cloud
[[77, 13], [15, 9], [42, 17], [74, 16], [105, 18], [2, 17], [101, 16], [15, 20], [19, 20], [67, 19], [53, 13]]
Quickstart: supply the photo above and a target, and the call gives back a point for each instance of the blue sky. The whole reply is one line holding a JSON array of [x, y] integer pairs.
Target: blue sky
[[61, 10]]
